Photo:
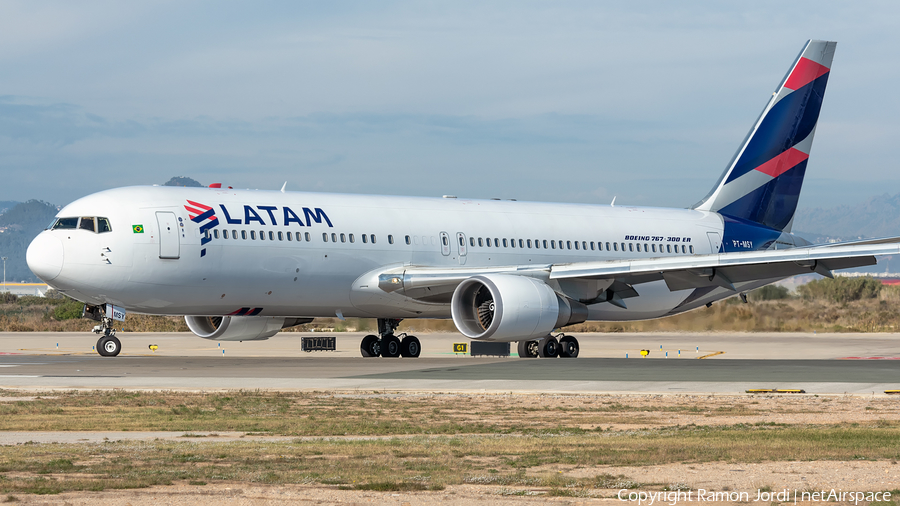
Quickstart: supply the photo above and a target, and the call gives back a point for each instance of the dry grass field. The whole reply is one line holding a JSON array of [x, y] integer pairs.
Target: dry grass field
[[585, 446]]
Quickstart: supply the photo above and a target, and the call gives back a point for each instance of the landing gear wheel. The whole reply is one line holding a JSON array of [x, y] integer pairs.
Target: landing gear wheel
[[410, 347], [548, 347], [390, 346], [528, 349], [370, 346], [109, 346], [568, 347]]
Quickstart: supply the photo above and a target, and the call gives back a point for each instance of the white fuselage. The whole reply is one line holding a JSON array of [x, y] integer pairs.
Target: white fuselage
[[325, 273]]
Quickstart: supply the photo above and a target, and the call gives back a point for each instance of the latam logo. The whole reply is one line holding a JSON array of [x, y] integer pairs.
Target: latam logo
[[205, 216], [274, 213]]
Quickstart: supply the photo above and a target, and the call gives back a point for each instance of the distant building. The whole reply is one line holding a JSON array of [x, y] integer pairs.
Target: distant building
[[20, 289]]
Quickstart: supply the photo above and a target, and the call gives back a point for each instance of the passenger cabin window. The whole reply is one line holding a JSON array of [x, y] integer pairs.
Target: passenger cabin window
[[489, 242], [280, 236], [365, 239], [407, 239], [299, 237], [343, 238], [505, 245], [333, 237], [253, 234], [324, 237], [225, 234], [290, 236], [472, 241], [390, 239], [630, 247], [692, 249], [372, 238], [262, 235], [576, 244], [215, 234], [529, 243], [445, 241], [307, 237], [480, 242], [616, 246], [552, 244], [271, 236], [244, 234]]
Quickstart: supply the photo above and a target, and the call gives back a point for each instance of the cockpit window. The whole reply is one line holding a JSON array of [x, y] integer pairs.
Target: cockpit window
[[103, 225], [92, 223], [65, 223]]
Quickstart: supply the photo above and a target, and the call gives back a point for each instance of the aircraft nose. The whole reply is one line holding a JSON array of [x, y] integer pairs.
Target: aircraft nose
[[45, 256]]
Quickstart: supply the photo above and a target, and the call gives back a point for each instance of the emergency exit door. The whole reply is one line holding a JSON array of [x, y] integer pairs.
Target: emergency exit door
[[169, 242]]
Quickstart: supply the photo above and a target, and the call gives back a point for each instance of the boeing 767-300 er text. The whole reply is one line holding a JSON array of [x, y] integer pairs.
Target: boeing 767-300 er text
[[241, 265]]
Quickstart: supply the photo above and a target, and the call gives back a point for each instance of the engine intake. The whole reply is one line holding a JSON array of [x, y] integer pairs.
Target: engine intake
[[502, 307], [240, 328]]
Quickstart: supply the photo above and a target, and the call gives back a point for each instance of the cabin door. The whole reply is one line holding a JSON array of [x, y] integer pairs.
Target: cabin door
[[169, 242]]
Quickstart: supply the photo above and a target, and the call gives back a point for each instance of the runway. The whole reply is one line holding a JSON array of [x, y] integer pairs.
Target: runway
[[182, 361]]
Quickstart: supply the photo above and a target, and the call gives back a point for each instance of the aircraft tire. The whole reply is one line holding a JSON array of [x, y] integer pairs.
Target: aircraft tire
[[528, 349], [568, 347], [410, 347], [390, 346], [109, 346], [548, 347], [370, 347]]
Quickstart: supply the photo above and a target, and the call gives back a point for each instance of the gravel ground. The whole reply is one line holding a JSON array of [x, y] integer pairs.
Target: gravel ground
[[654, 410]]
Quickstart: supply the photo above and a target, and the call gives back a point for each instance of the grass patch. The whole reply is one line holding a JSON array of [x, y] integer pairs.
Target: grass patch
[[419, 442]]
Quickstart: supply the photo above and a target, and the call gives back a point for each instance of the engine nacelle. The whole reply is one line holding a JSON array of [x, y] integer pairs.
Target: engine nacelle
[[240, 328], [504, 307]]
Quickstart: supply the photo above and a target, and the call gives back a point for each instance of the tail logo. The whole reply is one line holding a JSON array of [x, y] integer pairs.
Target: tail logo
[[762, 183]]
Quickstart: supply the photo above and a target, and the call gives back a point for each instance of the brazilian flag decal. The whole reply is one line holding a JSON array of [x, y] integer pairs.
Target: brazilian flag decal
[[138, 229]]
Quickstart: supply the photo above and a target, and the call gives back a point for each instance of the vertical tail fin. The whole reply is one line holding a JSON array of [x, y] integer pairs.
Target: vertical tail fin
[[762, 182]]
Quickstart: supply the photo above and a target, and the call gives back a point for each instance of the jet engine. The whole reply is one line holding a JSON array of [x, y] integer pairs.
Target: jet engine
[[503, 307], [240, 328]]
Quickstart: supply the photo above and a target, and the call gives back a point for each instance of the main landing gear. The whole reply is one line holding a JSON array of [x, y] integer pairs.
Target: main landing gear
[[108, 345], [387, 345], [548, 347]]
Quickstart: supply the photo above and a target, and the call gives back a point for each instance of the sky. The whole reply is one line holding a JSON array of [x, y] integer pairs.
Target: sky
[[645, 101]]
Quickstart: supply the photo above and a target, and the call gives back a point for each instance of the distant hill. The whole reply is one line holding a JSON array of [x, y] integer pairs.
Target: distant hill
[[182, 181], [18, 226], [878, 216], [5, 205]]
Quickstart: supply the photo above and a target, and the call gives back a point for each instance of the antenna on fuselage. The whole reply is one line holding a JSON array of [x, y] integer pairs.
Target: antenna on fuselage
[[283, 186], [613, 203]]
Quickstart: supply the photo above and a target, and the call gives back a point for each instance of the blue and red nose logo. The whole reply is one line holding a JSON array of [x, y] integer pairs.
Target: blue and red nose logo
[[206, 217]]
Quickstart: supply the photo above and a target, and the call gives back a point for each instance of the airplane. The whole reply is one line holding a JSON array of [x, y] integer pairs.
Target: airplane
[[241, 265]]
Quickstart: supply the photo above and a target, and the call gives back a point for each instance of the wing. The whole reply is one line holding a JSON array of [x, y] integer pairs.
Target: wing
[[614, 280]]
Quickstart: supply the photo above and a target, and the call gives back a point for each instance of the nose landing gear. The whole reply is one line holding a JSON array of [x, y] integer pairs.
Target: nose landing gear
[[387, 345], [108, 345]]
